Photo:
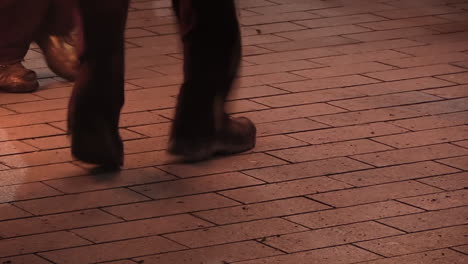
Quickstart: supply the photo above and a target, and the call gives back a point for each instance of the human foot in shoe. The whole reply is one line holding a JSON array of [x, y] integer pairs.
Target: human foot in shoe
[[235, 135], [61, 54], [15, 78], [107, 153]]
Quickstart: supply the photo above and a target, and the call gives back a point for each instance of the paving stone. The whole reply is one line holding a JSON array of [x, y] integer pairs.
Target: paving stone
[[338, 70], [404, 23], [315, 42], [26, 191], [422, 71], [284, 189], [442, 256], [287, 126], [426, 137], [427, 60], [439, 200], [441, 107], [276, 142], [80, 201], [388, 100], [361, 154], [41, 242], [292, 112], [28, 132], [170, 206], [460, 78], [141, 228], [348, 133], [322, 32], [113, 250], [25, 259], [332, 236], [416, 242], [37, 158], [375, 45], [428, 220], [332, 255], [232, 252], [463, 143], [381, 55], [241, 162], [326, 83], [14, 147], [416, 84], [438, 48], [196, 185], [278, 67], [40, 173], [450, 182], [274, 18], [275, 28], [390, 34], [148, 159], [394, 173], [39, 106], [287, 7], [290, 55], [450, 92], [375, 193], [353, 9], [431, 122], [306, 169], [9, 211], [109, 180], [330, 150], [238, 232], [462, 249], [408, 155], [261, 210], [348, 215], [268, 79], [415, 12], [55, 222], [367, 116], [342, 20], [458, 162]]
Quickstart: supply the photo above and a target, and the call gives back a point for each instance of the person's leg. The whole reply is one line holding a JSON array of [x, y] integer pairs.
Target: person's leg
[[59, 37], [212, 50], [98, 95], [60, 18], [19, 22]]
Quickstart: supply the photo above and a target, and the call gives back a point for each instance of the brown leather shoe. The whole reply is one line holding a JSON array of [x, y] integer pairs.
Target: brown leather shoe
[[61, 55], [15, 78], [235, 136]]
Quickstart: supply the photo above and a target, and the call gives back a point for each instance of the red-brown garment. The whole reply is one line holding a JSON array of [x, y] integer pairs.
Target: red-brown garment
[[22, 21]]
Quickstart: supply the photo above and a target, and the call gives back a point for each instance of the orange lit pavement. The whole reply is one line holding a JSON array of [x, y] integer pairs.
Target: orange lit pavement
[[361, 108]]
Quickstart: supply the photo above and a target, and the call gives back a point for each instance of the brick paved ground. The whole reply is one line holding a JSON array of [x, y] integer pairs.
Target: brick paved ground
[[361, 107]]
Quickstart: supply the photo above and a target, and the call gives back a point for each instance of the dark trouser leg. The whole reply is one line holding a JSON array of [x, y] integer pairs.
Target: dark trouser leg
[[211, 39], [98, 95], [19, 24]]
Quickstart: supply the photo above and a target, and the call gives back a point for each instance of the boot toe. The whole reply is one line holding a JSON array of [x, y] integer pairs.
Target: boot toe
[[15, 78], [61, 56]]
